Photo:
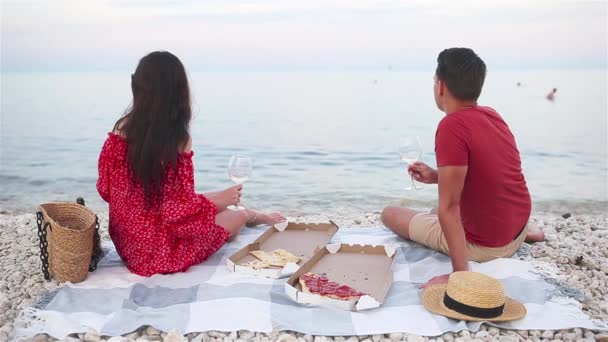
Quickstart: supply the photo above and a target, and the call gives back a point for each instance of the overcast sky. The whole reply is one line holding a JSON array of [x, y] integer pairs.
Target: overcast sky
[[224, 34]]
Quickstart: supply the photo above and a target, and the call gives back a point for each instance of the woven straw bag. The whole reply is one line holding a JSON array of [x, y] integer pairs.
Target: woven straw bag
[[70, 246]]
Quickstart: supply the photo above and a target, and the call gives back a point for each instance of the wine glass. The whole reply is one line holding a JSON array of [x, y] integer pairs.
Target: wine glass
[[239, 170], [410, 151]]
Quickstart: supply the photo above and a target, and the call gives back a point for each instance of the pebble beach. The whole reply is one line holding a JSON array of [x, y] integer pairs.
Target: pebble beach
[[574, 254]]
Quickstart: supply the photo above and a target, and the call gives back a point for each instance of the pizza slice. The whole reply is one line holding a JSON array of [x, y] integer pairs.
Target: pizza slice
[[286, 256], [257, 264], [278, 257], [320, 285]]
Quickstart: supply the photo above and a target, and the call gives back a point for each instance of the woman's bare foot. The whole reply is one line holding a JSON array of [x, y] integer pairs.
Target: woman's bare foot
[[264, 218], [534, 234]]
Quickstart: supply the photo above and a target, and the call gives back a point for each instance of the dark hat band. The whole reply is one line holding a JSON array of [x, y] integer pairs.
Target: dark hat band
[[471, 311]]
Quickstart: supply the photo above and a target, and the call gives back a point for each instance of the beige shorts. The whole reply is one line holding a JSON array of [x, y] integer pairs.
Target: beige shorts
[[425, 230]]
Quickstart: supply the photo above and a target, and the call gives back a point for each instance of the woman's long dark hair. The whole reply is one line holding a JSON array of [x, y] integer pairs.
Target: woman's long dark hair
[[157, 123]]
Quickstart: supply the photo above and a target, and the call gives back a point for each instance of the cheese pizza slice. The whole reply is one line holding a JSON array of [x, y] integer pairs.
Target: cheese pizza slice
[[257, 264], [278, 257]]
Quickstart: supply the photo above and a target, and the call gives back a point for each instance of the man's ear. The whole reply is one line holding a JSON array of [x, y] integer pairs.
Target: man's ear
[[441, 85]]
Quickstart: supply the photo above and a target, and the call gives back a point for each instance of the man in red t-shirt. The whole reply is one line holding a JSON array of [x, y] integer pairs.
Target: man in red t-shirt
[[484, 203]]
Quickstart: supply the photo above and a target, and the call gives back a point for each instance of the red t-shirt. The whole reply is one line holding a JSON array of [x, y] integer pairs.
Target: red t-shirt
[[495, 203]]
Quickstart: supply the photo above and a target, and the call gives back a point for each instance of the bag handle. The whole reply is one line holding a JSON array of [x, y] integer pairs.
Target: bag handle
[[96, 255], [44, 254]]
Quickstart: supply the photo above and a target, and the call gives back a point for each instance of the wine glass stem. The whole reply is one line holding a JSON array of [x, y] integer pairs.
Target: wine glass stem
[[413, 184]]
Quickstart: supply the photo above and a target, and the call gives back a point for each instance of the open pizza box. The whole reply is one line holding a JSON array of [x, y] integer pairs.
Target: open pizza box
[[299, 239], [364, 268]]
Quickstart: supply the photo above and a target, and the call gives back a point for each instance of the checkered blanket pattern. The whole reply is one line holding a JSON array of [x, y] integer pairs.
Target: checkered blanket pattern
[[208, 296]]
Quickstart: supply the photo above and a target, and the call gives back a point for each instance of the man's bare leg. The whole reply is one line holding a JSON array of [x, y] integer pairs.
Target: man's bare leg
[[398, 219]]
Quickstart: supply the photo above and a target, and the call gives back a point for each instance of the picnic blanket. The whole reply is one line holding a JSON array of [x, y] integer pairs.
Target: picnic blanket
[[208, 296]]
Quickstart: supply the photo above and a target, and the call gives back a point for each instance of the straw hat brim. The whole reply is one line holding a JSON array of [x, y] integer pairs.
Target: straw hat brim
[[432, 299]]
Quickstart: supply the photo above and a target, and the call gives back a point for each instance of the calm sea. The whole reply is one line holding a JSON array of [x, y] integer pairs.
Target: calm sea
[[322, 141]]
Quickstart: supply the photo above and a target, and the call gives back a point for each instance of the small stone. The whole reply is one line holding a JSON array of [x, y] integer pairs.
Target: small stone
[[447, 337], [91, 336], [175, 336], [5, 303], [507, 338], [548, 334], [248, 335], [465, 334], [339, 339], [152, 331], [523, 333], [41, 338], [307, 338], [569, 337], [116, 339], [459, 339], [601, 337], [367, 340], [200, 338], [414, 338], [352, 339], [482, 334], [147, 338], [377, 338], [493, 331], [320, 339], [71, 339], [134, 335], [395, 336], [589, 334]]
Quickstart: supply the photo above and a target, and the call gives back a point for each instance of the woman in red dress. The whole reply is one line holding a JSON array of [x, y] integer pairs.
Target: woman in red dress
[[158, 223]]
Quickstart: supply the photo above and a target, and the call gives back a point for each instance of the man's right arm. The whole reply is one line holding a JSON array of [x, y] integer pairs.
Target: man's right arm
[[423, 173]]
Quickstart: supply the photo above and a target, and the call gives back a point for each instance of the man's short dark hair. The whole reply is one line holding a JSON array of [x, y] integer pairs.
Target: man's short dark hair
[[462, 71]]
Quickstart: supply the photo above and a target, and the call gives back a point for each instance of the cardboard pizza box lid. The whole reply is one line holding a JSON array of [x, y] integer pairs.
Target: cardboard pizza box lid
[[365, 268], [300, 239]]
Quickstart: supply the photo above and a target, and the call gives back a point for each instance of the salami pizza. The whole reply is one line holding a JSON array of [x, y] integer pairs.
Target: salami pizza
[[320, 285]]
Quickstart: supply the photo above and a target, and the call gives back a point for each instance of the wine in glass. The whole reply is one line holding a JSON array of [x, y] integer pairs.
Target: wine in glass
[[239, 170], [410, 151]]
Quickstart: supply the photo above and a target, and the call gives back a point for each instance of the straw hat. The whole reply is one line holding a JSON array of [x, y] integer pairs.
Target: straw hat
[[471, 296]]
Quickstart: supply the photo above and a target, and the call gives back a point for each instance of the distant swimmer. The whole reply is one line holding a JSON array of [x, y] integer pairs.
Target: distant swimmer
[[519, 84], [551, 95]]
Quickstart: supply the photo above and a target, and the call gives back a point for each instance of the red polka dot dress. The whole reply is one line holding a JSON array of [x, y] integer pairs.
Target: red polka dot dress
[[173, 232]]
